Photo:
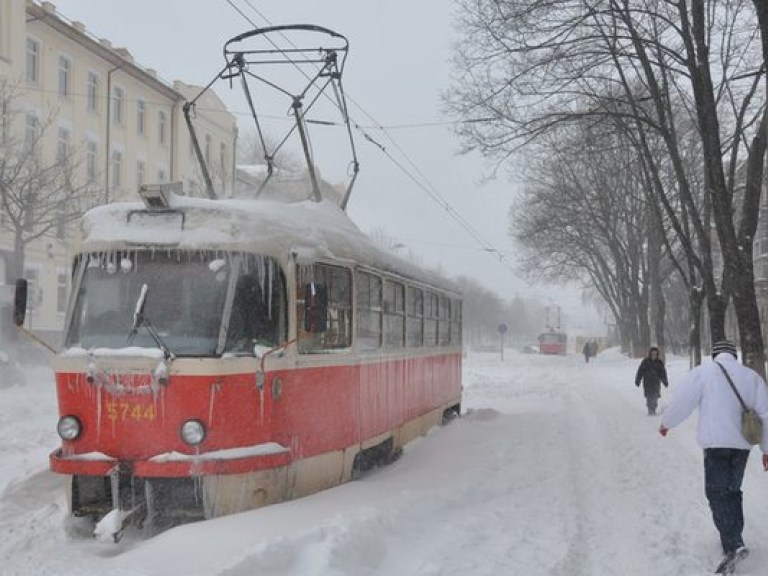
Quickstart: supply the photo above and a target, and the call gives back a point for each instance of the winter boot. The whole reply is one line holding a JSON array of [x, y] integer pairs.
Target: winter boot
[[731, 559]]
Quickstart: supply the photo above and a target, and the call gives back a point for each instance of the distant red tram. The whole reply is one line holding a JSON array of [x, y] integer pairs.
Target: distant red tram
[[553, 343], [222, 355]]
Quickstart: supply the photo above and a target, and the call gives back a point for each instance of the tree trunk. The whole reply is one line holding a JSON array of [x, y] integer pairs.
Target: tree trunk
[[761, 7], [717, 306], [736, 256], [625, 336], [660, 310], [655, 245], [748, 316], [643, 334], [16, 268], [696, 299]]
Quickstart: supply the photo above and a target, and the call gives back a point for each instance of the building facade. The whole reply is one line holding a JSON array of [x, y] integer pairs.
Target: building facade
[[123, 124]]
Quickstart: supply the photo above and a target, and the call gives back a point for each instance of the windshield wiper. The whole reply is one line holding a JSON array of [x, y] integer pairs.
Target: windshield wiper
[[139, 320]]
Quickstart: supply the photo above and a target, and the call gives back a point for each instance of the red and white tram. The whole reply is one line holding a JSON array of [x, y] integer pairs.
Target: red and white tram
[[221, 355], [553, 343]]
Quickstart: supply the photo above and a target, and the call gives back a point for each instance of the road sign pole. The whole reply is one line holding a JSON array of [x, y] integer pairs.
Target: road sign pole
[[502, 329]]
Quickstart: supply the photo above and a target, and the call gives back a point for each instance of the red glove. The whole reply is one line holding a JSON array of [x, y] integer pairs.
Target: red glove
[[765, 462], [663, 431]]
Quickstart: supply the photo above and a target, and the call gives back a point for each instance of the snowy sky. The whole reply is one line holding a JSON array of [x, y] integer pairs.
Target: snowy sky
[[398, 66]]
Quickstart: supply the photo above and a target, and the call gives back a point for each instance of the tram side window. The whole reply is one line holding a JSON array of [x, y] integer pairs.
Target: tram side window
[[415, 320], [259, 316], [335, 283], [368, 311], [444, 322], [394, 314], [456, 322], [430, 319]]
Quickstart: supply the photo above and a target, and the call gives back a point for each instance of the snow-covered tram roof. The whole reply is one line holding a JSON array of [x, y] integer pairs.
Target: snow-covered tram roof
[[313, 231]]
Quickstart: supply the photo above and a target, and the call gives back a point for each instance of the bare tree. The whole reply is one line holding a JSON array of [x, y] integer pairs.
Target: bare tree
[[39, 196], [584, 217], [251, 151], [529, 66], [484, 310]]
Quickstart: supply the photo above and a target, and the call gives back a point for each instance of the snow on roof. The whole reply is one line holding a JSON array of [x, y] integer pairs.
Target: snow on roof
[[307, 230]]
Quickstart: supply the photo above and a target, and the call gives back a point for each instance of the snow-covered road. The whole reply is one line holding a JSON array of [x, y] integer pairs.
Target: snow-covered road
[[555, 469]]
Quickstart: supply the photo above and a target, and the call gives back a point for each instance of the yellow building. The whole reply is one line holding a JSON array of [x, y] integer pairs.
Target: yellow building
[[124, 123]]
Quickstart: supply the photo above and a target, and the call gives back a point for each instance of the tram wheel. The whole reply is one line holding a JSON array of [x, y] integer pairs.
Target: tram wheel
[[451, 414]]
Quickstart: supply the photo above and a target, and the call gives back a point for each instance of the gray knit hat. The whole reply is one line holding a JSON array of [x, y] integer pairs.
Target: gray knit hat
[[724, 346]]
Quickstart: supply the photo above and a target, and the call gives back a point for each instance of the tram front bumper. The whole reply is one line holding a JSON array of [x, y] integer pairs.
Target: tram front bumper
[[176, 465]]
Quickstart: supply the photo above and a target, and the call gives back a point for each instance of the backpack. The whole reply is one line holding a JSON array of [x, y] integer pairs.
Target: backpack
[[751, 423]]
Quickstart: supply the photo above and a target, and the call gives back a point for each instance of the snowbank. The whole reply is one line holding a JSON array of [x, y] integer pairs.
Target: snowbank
[[555, 469]]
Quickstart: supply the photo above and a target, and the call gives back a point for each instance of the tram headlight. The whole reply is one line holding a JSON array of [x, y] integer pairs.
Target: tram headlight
[[193, 432], [69, 427]]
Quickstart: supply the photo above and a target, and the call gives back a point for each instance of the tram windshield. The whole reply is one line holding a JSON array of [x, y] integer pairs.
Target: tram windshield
[[188, 295]]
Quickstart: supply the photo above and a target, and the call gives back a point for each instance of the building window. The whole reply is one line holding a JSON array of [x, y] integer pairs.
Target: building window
[[141, 170], [3, 32], [117, 169], [34, 291], [33, 61], [92, 92], [331, 285], [368, 308], [414, 327], [5, 111], [162, 127], [62, 145], [61, 292], [65, 74], [118, 105], [141, 117], [223, 157], [31, 133], [61, 221], [91, 156]]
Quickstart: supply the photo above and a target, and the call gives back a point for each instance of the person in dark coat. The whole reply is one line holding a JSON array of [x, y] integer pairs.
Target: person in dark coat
[[587, 351], [652, 374]]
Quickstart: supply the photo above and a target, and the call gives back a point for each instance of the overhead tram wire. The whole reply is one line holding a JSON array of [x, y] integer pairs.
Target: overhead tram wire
[[376, 124], [425, 185], [420, 179]]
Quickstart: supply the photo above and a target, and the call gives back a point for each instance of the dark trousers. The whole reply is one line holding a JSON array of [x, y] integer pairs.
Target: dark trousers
[[723, 474]]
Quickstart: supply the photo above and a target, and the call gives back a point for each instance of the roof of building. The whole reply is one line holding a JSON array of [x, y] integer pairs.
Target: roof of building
[[118, 57]]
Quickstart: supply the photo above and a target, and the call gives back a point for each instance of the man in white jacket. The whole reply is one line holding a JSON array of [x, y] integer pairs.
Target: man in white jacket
[[719, 434]]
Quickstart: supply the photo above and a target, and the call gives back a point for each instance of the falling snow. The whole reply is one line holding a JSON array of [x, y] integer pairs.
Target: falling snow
[[554, 469]]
